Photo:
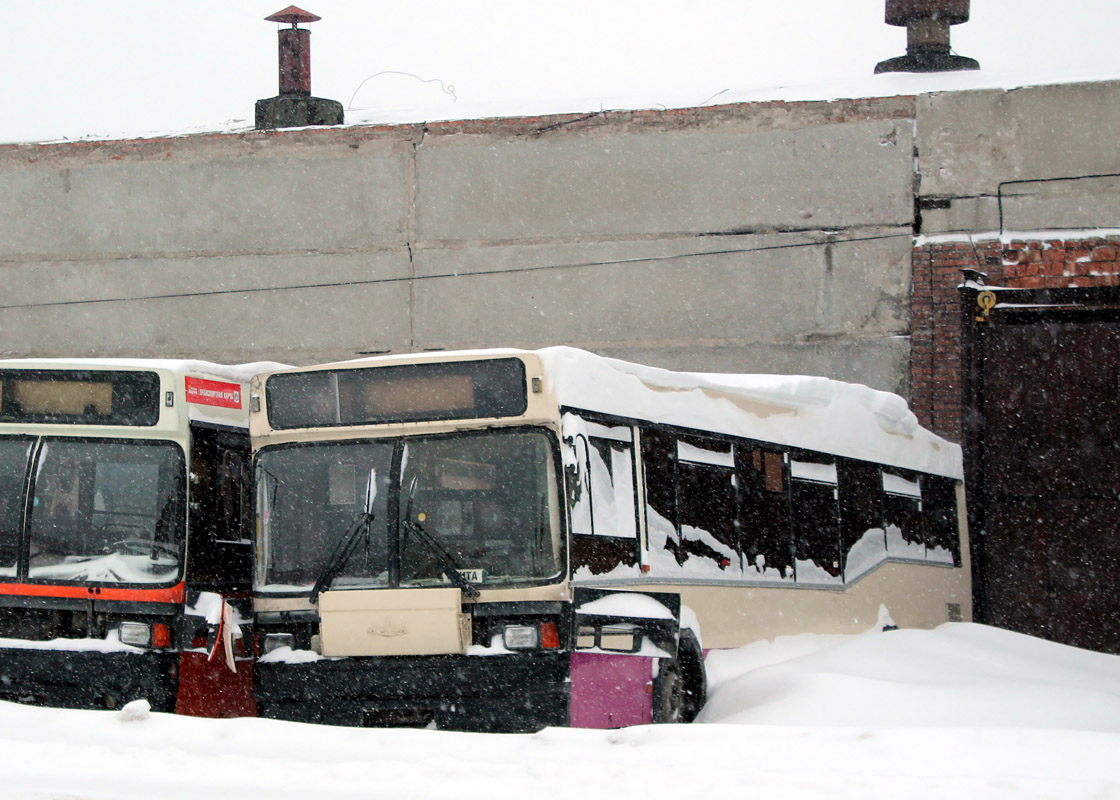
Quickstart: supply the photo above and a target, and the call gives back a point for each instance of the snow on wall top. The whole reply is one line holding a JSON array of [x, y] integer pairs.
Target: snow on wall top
[[814, 413]]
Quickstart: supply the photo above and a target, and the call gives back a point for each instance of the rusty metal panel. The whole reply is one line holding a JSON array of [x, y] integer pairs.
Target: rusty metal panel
[[1042, 375]]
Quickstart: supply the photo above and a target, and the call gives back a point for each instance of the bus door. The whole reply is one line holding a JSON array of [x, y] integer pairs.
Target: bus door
[[216, 669]]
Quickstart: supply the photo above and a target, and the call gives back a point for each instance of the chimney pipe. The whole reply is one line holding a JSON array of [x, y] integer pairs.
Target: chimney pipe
[[295, 61], [927, 36], [294, 106]]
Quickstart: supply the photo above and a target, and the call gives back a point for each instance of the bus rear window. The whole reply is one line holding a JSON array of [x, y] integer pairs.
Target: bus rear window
[[400, 393], [79, 397]]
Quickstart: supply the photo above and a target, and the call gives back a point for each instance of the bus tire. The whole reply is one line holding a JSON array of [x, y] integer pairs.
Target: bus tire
[[680, 688]]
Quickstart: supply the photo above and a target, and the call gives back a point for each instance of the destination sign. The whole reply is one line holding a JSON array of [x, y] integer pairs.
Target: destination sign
[[397, 393]]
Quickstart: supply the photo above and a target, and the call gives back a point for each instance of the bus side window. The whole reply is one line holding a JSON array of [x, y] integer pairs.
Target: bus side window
[[902, 515], [943, 541], [659, 466], [815, 510], [707, 487], [764, 514], [612, 488], [602, 500], [864, 543]]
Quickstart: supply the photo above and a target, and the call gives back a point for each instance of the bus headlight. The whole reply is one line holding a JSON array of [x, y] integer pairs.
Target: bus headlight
[[521, 637], [137, 634], [274, 641]]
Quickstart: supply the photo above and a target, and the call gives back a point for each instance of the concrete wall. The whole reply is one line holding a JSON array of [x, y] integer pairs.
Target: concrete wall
[[770, 237], [1033, 159], [764, 238]]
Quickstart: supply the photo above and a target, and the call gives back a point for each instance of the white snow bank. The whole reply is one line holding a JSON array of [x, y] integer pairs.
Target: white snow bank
[[959, 675], [1063, 702], [110, 644]]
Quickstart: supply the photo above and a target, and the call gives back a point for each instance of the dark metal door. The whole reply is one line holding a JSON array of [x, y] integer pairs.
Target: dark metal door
[[1042, 444]]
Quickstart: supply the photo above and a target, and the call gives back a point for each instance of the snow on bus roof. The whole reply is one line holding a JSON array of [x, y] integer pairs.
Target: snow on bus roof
[[241, 373], [813, 413]]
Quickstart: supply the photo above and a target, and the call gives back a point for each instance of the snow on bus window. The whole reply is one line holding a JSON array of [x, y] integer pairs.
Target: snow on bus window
[[902, 516], [765, 532], [943, 544], [719, 455], [600, 478], [691, 507], [816, 530], [612, 488], [659, 471], [864, 541], [707, 491], [107, 511], [896, 484], [812, 471], [601, 497]]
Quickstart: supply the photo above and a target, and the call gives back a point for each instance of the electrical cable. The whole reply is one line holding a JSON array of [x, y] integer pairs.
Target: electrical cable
[[453, 274]]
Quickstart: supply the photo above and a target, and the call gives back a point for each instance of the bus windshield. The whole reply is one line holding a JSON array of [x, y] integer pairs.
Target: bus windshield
[[104, 511], [483, 504]]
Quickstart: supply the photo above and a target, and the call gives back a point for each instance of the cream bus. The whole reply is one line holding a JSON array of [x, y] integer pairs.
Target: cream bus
[[124, 533], [506, 539]]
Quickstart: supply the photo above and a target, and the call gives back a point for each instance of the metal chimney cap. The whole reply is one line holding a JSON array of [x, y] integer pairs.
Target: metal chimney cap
[[294, 15], [902, 12]]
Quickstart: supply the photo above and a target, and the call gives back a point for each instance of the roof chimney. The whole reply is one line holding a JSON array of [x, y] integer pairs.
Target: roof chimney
[[927, 36], [294, 107]]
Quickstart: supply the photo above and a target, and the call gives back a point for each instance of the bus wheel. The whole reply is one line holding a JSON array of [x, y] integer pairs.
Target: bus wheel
[[669, 696], [680, 687]]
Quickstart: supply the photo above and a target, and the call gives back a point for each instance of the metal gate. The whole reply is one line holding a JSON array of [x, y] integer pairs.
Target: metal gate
[[1041, 372]]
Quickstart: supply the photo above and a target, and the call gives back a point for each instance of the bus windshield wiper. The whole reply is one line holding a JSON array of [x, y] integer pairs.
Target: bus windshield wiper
[[345, 547], [341, 554], [450, 568]]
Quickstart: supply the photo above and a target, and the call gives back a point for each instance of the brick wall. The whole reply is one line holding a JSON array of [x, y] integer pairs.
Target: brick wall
[[1020, 263]]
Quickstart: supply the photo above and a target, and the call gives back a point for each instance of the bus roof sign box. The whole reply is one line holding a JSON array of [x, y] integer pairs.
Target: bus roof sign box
[[393, 622]]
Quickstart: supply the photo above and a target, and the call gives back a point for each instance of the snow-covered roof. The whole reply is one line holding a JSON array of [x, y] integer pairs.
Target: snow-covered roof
[[240, 373], [812, 413]]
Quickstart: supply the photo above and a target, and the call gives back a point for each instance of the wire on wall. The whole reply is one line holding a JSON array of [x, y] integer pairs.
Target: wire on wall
[[455, 274], [446, 88]]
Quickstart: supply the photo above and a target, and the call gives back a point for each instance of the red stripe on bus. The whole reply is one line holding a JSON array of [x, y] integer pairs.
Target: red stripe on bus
[[173, 594]]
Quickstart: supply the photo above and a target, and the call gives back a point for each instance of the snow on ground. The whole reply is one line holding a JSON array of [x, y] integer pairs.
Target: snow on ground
[[964, 711]]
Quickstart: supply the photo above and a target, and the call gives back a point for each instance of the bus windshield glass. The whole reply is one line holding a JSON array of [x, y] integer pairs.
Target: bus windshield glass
[[106, 511], [482, 504], [14, 455]]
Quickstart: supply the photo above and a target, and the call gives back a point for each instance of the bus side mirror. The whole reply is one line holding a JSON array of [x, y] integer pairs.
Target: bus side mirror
[[625, 622]]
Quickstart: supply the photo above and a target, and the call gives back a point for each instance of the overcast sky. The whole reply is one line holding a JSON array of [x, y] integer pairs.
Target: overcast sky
[[130, 67]]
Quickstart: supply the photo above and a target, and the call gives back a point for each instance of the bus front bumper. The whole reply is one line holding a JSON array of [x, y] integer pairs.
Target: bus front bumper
[[505, 693], [88, 679]]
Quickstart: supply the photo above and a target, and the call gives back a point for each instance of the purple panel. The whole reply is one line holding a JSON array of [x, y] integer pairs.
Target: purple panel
[[609, 691]]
